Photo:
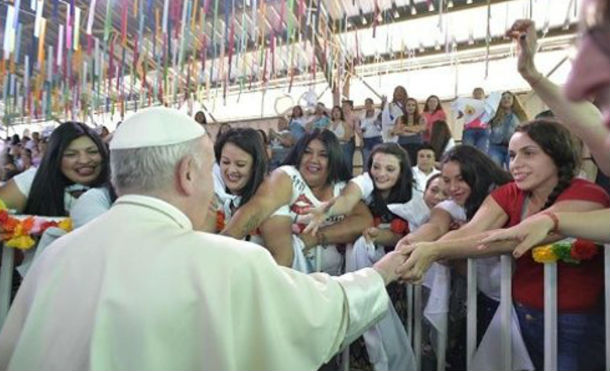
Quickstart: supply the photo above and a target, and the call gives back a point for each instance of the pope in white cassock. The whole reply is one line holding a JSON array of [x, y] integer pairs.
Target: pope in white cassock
[[140, 288]]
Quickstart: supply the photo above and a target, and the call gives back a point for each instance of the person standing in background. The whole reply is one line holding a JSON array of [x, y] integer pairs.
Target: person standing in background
[[509, 115], [475, 132], [370, 125], [352, 121], [392, 111], [433, 111]]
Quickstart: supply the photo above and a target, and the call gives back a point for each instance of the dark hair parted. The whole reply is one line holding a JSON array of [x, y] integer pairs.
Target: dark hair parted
[[557, 142], [332, 116], [478, 171], [416, 115], [401, 192], [431, 179], [337, 165], [440, 135], [249, 141], [47, 192]]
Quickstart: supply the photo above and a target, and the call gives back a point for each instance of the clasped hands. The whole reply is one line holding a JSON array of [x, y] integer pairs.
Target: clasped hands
[[408, 262]]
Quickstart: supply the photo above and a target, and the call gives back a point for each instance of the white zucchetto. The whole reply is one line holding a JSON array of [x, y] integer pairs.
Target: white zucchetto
[[157, 126]]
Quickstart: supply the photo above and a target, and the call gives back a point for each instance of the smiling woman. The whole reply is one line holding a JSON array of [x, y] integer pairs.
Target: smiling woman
[[75, 160], [241, 167], [313, 172]]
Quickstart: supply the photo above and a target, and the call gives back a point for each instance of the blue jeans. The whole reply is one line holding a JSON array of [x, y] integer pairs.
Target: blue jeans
[[580, 338], [486, 308], [369, 144], [348, 154], [477, 138], [499, 153]]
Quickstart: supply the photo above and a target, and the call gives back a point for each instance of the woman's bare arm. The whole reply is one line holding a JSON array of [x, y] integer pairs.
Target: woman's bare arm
[[274, 192]]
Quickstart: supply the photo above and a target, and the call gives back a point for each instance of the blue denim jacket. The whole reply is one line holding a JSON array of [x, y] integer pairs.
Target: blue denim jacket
[[500, 133]]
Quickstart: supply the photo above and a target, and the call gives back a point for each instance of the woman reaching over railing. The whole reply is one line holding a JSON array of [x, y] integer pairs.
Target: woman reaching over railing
[[590, 76], [313, 172], [543, 164]]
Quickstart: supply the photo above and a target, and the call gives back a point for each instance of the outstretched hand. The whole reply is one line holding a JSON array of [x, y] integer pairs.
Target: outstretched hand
[[315, 216], [389, 264], [420, 256], [531, 232]]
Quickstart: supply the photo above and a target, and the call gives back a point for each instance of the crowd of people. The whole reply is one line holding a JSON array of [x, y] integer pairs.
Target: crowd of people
[[138, 285]]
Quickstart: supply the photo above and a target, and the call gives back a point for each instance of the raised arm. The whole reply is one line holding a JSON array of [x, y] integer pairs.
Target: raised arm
[[274, 192], [582, 119]]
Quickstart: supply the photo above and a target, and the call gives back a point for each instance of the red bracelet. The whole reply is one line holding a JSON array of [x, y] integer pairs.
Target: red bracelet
[[555, 220]]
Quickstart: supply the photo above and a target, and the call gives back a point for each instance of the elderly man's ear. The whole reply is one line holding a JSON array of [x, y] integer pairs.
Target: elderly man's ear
[[186, 174]]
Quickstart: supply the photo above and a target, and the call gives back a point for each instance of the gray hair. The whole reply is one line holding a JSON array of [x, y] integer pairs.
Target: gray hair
[[150, 169]]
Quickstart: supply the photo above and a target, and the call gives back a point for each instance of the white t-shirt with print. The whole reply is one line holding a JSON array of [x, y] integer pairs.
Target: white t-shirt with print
[[301, 199]]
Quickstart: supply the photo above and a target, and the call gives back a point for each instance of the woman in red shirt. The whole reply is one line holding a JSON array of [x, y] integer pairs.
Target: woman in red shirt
[[543, 164], [433, 111]]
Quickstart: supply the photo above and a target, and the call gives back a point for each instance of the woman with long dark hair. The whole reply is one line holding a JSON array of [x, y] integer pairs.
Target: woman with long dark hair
[[392, 111], [433, 111], [441, 138], [469, 175], [509, 115], [75, 160], [543, 164], [409, 129], [389, 180], [241, 167], [313, 172]]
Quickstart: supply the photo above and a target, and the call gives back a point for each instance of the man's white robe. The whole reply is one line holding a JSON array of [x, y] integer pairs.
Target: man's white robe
[[138, 289]]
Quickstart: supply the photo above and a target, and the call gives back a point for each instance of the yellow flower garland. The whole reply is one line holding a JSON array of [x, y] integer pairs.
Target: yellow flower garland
[[544, 254]]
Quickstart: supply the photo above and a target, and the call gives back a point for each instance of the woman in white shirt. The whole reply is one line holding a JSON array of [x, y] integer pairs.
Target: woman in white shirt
[[76, 159], [370, 124], [314, 172], [392, 112], [241, 169]]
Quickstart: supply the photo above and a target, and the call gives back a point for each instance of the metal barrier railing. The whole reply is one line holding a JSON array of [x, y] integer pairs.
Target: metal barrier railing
[[414, 324], [607, 302], [6, 281]]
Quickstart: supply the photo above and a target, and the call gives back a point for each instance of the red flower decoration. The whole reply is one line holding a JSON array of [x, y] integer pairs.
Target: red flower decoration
[[3, 216], [46, 225], [220, 220], [583, 250], [399, 226]]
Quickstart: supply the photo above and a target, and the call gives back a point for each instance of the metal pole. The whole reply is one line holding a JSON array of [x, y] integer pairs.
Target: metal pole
[[506, 310], [607, 306], [550, 316], [417, 335], [6, 280], [471, 313]]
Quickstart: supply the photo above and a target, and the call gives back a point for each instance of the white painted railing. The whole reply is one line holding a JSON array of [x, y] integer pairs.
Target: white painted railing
[[414, 326]]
